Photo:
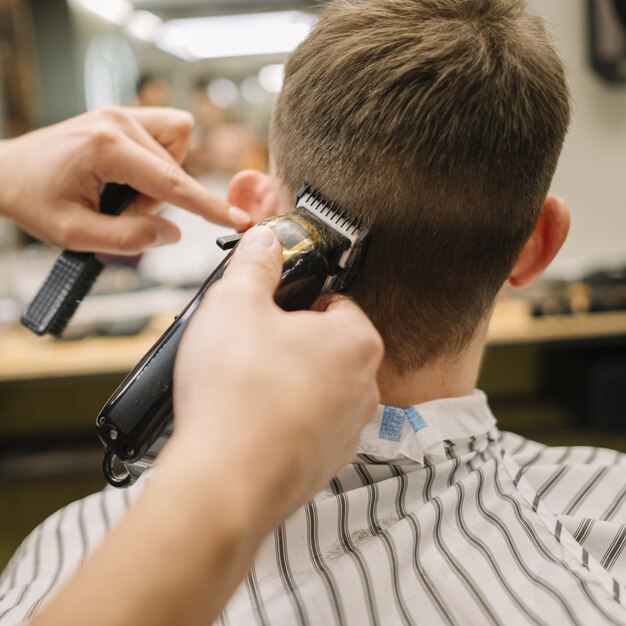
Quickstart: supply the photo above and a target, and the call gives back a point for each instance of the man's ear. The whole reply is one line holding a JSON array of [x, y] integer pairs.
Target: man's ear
[[258, 194], [544, 243]]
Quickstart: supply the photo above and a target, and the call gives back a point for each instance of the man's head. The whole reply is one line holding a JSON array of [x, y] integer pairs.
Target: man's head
[[439, 122], [153, 90]]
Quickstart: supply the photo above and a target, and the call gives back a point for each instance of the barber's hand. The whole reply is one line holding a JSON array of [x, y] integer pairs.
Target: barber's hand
[[50, 180], [278, 396]]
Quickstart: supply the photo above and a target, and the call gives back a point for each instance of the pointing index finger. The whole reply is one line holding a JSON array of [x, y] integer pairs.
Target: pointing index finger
[[163, 180]]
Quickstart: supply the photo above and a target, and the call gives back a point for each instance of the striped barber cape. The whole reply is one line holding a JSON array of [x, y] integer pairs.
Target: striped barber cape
[[441, 519]]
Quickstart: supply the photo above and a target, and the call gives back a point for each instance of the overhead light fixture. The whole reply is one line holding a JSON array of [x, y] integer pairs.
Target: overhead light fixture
[[144, 25], [223, 93], [271, 77], [171, 39], [115, 11], [252, 91], [253, 34]]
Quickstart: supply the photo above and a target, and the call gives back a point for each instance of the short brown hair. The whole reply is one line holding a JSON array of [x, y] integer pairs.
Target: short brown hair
[[439, 122]]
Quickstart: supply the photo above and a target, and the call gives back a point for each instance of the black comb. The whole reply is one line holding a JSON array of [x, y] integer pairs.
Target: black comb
[[72, 276]]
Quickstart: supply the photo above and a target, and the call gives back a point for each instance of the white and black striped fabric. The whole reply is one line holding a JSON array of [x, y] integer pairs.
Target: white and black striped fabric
[[442, 519]]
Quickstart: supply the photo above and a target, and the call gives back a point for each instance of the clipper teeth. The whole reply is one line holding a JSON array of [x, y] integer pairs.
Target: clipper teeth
[[329, 213], [352, 229]]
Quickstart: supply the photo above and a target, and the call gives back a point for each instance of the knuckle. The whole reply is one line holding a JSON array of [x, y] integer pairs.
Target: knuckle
[[377, 345], [102, 136], [67, 232], [109, 121], [173, 177], [375, 352], [115, 114], [370, 343], [184, 123], [260, 260], [130, 241]]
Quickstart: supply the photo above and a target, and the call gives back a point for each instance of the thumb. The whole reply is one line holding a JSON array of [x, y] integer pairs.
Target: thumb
[[257, 262]]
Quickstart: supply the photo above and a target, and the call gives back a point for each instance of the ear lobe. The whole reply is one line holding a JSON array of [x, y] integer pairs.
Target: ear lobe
[[544, 243], [258, 194]]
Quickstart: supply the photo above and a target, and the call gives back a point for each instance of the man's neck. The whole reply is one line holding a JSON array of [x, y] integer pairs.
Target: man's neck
[[447, 377]]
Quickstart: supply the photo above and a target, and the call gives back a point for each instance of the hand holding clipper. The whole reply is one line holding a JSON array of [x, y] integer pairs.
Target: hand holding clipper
[[322, 250]]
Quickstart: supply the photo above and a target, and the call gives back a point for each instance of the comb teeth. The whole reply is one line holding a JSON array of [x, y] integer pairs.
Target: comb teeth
[[67, 284], [329, 212]]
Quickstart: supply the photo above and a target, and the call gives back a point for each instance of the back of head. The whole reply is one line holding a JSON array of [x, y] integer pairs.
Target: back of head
[[439, 122]]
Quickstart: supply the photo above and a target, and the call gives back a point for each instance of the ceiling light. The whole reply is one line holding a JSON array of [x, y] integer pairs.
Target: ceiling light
[[271, 77], [252, 91], [277, 32], [116, 11], [171, 39], [223, 93], [144, 25]]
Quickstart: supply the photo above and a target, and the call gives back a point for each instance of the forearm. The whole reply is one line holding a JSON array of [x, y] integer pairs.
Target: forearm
[[227, 476], [177, 557]]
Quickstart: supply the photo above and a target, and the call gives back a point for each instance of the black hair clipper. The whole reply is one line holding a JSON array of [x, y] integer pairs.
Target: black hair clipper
[[322, 251]]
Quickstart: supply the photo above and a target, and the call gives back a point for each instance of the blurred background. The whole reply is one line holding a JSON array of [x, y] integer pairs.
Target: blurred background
[[556, 364]]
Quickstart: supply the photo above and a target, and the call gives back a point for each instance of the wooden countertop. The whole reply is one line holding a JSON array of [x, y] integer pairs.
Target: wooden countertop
[[24, 356], [513, 325]]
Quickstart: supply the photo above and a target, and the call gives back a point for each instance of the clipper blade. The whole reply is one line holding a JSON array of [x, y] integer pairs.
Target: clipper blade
[[329, 213], [356, 234]]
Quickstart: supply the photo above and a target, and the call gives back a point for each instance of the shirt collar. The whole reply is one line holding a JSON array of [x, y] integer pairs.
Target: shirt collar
[[426, 432]]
